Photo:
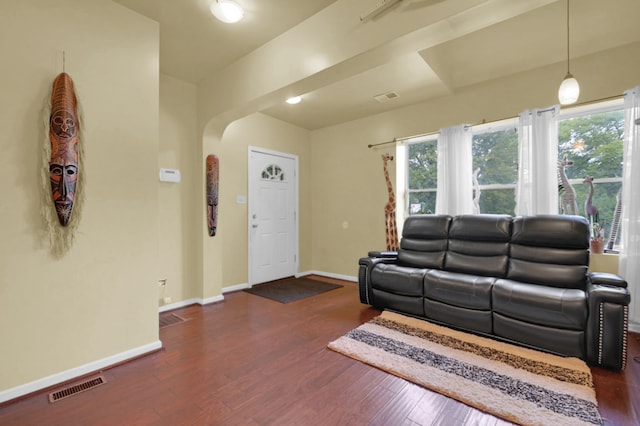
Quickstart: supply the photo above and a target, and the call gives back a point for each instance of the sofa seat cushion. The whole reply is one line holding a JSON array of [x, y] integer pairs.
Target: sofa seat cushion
[[560, 341], [463, 290], [400, 280], [536, 304], [468, 319], [412, 305]]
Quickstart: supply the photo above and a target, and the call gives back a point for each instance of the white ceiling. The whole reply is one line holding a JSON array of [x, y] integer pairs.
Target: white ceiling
[[194, 45]]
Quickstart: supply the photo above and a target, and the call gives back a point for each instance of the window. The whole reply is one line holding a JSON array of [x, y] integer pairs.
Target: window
[[591, 138], [422, 175], [273, 172], [495, 156], [495, 167]]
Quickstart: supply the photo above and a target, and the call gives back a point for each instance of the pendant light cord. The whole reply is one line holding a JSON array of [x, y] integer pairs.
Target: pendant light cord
[[568, 72]]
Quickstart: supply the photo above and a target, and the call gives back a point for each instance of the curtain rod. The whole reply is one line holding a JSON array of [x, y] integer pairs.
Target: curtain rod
[[483, 121]]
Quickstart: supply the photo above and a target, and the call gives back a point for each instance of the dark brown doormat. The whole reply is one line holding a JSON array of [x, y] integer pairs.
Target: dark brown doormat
[[291, 290]]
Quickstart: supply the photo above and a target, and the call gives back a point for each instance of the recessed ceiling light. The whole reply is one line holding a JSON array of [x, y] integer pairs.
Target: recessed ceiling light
[[294, 100], [227, 11]]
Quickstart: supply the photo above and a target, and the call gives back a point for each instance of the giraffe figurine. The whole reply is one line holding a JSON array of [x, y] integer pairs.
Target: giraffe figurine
[[390, 209], [568, 203], [590, 211], [613, 235]]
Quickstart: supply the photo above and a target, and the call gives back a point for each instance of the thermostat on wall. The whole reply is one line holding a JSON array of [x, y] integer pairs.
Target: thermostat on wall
[[169, 175]]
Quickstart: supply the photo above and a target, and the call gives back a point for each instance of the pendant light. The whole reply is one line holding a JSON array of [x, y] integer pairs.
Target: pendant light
[[569, 88]]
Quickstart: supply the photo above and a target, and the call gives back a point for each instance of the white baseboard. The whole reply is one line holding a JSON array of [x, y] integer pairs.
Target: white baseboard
[[213, 299], [181, 304], [187, 302], [76, 372], [329, 275], [236, 287]]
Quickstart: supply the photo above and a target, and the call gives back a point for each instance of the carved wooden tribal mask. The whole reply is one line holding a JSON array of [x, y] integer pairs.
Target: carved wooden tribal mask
[[212, 170], [63, 134]]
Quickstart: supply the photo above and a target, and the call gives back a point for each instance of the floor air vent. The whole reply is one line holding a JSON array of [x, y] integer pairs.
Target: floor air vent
[[80, 387], [167, 320]]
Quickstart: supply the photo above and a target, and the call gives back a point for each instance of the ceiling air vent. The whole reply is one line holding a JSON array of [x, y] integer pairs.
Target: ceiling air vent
[[385, 96], [80, 387]]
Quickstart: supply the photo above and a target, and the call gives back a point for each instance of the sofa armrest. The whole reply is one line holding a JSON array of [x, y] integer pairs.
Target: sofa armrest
[[385, 254], [607, 326], [605, 278], [366, 264]]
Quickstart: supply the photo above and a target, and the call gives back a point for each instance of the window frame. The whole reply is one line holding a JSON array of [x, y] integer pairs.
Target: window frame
[[496, 126], [402, 167]]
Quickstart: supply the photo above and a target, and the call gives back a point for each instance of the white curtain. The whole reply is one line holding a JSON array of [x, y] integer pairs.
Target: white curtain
[[630, 226], [537, 162], [454, 194]]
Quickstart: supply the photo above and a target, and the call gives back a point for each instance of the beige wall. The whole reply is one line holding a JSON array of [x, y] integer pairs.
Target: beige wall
[[256, 130], [347, 181], [179, 149], [99, 300]]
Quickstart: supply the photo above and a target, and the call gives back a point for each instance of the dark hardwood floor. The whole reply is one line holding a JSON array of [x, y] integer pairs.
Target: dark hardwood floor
[[251, 361]]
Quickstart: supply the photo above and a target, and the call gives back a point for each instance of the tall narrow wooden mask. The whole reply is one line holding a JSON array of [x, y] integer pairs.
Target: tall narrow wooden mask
[[63, 134], [212, 171]]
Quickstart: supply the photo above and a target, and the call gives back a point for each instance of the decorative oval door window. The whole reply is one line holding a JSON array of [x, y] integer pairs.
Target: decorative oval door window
[[273, 172]]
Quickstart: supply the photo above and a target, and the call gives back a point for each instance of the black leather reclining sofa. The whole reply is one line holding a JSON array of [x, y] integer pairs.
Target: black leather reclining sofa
[[519, 279]]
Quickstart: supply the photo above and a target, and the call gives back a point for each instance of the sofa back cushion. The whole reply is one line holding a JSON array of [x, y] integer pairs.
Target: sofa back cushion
[[479, 245], [551, 250], [424, 241]]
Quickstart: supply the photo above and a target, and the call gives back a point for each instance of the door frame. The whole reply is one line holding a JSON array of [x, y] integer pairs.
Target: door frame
[[296, 207]]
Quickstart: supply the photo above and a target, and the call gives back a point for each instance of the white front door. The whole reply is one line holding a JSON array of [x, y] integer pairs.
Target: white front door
[[273, 204]]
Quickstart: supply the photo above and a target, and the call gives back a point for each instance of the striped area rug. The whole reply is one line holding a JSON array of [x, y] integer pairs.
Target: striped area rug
[[514, 383]]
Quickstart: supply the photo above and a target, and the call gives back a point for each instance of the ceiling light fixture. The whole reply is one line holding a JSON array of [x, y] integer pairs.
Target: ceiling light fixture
[[227, 11], [569, 88], [294, 100]]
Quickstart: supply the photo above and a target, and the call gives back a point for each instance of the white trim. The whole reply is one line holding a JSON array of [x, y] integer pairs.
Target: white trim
[[329, 275], [603, 107], [296, 205], [242, 286], [76, 372], [209, 300], [194, 301], [402, 186], [177, 305], [236, 287]]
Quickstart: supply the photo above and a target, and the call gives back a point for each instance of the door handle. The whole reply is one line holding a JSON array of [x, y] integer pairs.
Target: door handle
[[254, 226]]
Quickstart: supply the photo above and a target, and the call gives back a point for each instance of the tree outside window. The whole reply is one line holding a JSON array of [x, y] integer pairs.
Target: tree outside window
[[591, 138], [495, 164], [594, 143], [422, 169]]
